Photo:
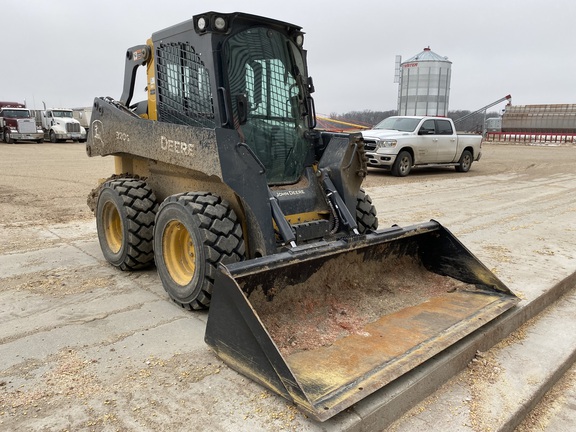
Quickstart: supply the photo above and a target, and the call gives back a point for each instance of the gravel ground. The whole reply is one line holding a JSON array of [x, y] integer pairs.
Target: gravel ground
[[86, 347]]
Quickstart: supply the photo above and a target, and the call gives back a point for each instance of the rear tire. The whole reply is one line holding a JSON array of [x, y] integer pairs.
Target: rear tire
[[465, 162], [125, 221], [403, 164], [193, 233], [365, 213]]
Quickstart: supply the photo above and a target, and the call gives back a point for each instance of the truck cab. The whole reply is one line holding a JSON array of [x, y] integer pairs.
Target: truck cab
[[17, 124], [60, 125]]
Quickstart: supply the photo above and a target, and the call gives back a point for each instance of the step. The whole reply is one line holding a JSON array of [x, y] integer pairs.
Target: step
[[556, 412], [440, 378], [501, 387]]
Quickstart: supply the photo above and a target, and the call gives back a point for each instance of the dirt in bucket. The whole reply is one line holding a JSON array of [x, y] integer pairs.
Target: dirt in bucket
[[344, 295]]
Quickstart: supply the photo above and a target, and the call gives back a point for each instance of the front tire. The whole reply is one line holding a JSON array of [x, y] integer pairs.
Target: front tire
[[125, 221], [465, 162], [8, 138], [193, 233], [53, 138], [365, 213], [403, 164]]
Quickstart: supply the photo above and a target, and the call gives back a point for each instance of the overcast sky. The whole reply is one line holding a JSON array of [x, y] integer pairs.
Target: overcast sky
[[65, 53]]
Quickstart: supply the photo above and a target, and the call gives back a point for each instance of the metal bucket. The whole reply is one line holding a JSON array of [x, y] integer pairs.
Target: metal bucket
[[326, 325]]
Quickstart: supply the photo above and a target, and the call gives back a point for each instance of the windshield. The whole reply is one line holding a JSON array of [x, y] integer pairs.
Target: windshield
[[399, 123], [62, 113], [11, 113], [264, 74]]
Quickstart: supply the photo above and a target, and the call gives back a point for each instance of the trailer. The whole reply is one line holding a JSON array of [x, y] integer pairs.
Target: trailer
[[551, 118], [83, 115]]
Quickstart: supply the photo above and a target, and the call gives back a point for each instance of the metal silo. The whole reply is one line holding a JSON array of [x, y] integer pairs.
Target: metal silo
[[424, 84]]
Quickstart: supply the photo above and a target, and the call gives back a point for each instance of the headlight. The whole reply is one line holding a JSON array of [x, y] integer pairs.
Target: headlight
[[386, 144]]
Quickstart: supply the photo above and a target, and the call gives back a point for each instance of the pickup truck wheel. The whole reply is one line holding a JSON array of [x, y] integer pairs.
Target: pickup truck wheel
[[193, 233], [124, 220], [465, 162], [403, 164], [365, 213]]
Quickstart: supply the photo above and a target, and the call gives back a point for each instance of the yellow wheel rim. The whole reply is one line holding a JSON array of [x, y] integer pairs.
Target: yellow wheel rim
[[179, 252], [112, 227]]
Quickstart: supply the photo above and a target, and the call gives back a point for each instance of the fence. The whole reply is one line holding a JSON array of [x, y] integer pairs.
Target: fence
[[527, 137]]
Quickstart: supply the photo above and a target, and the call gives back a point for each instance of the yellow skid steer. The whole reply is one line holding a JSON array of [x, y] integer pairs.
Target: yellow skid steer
[[224, 183]]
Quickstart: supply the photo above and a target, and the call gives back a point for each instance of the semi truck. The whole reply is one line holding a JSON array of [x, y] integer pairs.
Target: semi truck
[[18, 124], [59, 124]]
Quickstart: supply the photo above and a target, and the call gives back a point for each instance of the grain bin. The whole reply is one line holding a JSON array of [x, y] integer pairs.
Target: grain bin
[[424, 84]]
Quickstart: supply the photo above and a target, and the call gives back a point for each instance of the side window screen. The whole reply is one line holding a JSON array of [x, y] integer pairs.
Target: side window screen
[[184, 95]]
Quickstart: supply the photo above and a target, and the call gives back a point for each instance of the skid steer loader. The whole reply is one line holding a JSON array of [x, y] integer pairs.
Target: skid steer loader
[[223, 181]]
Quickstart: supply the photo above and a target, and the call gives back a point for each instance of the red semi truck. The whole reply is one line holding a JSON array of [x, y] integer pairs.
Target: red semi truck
[[18, 124]]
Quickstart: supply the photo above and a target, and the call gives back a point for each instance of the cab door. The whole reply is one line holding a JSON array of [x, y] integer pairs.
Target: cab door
[[426, 143], [446, 141], [48, 120]]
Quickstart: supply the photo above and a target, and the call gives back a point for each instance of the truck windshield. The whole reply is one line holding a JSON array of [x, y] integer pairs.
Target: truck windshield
[[264, 70], [15, 113], [62, 113], [399, 123]]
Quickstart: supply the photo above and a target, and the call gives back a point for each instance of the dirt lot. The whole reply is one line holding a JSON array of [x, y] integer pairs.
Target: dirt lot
[[86, 347]]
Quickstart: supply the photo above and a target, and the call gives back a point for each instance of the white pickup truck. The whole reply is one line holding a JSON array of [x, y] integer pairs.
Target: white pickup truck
[[400, 143]]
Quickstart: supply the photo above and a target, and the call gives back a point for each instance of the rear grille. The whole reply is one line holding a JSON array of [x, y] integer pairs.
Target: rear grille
[[72, 127]]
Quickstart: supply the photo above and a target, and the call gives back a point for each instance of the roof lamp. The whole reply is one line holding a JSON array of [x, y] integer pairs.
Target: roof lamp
[[220, 23], [300, 40]]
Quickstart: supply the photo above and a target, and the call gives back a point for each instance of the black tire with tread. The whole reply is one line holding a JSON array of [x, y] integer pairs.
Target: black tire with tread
[[465, 162], [215, 235], [365, 213], [403, 164], [134, 204]]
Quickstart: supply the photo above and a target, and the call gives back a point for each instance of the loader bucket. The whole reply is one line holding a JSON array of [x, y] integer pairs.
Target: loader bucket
[[327, 324]]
